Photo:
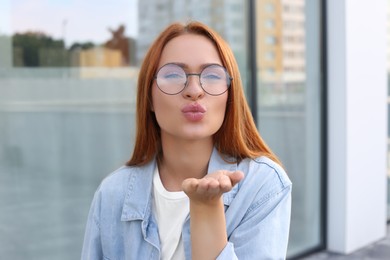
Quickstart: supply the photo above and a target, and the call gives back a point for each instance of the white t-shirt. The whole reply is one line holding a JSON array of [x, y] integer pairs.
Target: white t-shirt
[[171, 210]]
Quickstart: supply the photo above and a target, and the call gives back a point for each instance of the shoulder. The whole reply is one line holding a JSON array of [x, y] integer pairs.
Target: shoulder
[[112, 190], [132, 182], [117, 180], [110, 194], [264, 176], [267, 166]]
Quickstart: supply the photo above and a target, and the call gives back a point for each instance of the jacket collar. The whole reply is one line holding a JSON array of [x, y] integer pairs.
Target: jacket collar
[[137, 202], [138, 197]]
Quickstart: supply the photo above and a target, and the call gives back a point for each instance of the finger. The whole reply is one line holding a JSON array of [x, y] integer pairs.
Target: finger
[[225, 183], [190, 185], [236, 177], [213, 187], [207, 185]]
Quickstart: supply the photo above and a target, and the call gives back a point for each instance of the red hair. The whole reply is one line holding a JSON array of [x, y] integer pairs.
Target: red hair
[[238, 135]]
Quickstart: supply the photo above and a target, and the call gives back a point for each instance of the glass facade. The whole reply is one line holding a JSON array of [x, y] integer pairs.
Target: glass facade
[[289, 106], [68, 72], [388, 105]]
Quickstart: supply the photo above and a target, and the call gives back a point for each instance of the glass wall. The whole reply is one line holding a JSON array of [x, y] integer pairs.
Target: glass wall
[[289, 106], [67, 84], [68, 72], [388, 105]]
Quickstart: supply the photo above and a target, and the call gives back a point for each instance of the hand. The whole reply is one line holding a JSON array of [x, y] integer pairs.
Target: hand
[[210, 188]]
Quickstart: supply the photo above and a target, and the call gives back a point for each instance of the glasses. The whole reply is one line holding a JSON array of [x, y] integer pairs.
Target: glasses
[[172, 79]]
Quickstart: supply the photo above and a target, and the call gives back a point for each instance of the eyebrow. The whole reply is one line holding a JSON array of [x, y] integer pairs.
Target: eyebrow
[[185, 66]]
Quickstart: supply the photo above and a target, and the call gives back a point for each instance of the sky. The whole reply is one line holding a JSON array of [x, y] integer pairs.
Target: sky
[[72, 20]]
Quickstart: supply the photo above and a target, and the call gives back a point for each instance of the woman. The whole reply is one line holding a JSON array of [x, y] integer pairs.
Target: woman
[[201, 183]]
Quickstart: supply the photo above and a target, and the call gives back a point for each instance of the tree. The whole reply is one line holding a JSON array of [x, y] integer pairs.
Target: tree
[[30, 43]]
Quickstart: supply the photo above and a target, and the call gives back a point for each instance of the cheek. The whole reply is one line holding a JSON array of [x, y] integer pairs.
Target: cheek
[[157, 100], [161, 105], [219, 112], [221, 106]]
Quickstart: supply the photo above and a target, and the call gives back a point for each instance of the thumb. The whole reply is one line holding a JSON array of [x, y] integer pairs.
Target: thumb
[[236, 177]]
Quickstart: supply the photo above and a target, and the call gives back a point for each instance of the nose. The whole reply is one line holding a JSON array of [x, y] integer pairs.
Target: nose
[[193, 89]]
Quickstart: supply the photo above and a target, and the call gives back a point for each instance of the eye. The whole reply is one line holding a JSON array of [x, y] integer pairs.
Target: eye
[[173, 75], [212, 76], [213, 73], [171, 72]]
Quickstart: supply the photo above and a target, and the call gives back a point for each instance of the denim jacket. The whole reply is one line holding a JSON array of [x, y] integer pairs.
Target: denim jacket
[[121, 224]]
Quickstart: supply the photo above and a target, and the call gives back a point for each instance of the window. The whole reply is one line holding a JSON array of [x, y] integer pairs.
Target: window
[[68, 72], [269, 55], [289, 113], [271, 40], [67, 107], [269, 23], [388, 102], [269, 7]]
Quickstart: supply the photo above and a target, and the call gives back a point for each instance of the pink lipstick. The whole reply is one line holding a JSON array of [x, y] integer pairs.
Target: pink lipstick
[[193, 112]]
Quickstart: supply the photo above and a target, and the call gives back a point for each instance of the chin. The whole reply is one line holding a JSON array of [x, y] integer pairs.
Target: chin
[[194, 136]]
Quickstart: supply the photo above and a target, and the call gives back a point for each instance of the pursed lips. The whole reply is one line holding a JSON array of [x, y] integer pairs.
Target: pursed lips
[[193, 112]]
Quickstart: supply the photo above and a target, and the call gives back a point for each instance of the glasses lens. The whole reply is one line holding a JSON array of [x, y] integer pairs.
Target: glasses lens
[[214, 79], [171, 79]]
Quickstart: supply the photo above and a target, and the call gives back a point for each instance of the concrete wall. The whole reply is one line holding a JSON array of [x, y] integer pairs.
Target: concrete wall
[[357, 90]]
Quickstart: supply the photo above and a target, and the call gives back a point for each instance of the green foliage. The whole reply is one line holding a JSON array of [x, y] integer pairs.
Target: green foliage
[[83, 46], [29, 44]]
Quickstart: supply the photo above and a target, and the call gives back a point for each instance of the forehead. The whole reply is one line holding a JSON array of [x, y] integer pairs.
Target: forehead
[[190, 49]]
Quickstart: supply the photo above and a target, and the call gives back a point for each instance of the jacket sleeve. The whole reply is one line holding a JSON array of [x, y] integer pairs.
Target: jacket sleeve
[[264, 230], [92, 247]]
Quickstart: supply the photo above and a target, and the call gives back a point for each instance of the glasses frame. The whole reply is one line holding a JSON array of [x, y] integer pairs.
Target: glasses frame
[[228, 77]]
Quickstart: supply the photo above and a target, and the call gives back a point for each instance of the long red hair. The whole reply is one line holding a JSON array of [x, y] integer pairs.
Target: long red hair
[[238, 135]]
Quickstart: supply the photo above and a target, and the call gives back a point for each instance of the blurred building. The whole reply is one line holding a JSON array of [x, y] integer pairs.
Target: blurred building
[[100, 57], [5, 51], [225, 16], [281, 42]]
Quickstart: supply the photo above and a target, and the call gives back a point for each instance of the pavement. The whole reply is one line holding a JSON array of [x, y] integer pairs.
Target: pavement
[[376, 251]]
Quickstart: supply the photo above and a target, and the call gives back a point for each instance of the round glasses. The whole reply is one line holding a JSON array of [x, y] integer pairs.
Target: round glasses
[[172, 79]]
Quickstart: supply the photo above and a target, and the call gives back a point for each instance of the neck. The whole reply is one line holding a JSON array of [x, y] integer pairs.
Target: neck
[[183, 159]]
